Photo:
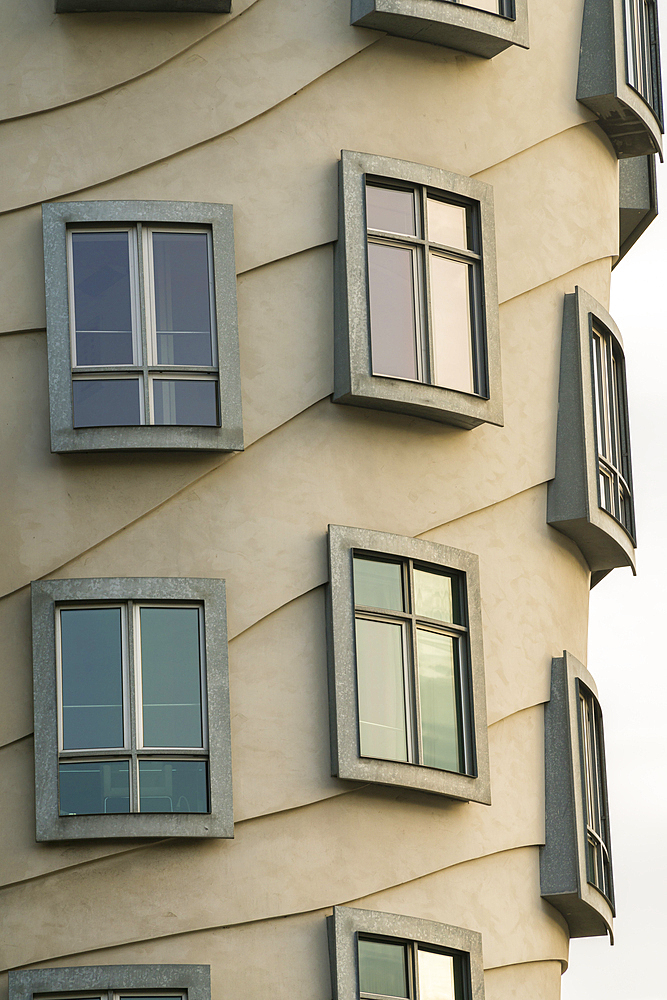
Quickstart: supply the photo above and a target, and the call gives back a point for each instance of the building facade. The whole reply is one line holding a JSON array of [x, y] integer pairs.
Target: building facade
[[315, 440]]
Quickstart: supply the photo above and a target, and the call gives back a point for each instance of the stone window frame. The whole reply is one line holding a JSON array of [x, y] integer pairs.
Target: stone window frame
[[57, 217], [346, 762], [634, 128], [194, 981], [347, 922], [637, 200], [50, 826], [144, 6], [354, 383], [442, 22], [563, 858], [572, 496]]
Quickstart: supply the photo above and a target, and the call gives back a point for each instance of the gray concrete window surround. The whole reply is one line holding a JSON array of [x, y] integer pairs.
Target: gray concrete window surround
[[573, 500], [58, 217], [637, 200], [457, 25], [633, 122], [346, 924], [143, 6], [346, 759], [47, 596], [192, 981], [354, 382], [564, 876]]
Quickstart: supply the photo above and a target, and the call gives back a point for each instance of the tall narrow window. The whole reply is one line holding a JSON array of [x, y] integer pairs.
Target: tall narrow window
[[412, 664], [598, 859], [611, 427], [406, 969], [142, 327], [642, 51], [425, 287], [132, 722]]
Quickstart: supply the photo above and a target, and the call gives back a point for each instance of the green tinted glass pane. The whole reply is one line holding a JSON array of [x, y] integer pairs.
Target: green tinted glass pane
[[438, 698], [436, 976], [382, 968], [92, 678], [382, 728], [437, 596], [171, 677], [173, 786], [378, 584]]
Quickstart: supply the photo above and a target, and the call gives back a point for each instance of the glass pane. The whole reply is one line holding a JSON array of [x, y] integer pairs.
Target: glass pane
[[92, 787], [382, 968], [173, 786], [188, 402], [436, 596], [106, 402], [436, 976], [171, 677], [378, 584], [382, 728], [92, 678], [490, 5], [447, 224], [182, 299], [102, 300], [452, 334], [392, 307], [389, 210], [438, 700]]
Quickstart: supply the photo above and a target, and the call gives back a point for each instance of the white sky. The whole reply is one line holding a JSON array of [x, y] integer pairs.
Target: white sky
[[626, 651]]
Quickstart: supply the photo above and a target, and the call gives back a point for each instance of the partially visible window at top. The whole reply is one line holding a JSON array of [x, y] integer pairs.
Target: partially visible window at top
[[118, 376], [425, 285], [405, 969], [611, 427], [598, 840], [642, 51], [502, 7]]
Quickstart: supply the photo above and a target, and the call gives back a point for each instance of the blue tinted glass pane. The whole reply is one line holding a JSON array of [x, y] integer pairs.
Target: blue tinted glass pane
[[173, 786], [188, 402], [382, 968], [170, 677], [91, 787], [92, 678], [102, 300], [106, 402], [182, 303]]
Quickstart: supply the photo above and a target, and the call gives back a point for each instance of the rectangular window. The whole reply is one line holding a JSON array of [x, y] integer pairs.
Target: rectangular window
[[425, 287], [502, 7], [412, 663], [142, 325], [611, 427], [642, 51], [598, 860], [406, 969], [132, 720]]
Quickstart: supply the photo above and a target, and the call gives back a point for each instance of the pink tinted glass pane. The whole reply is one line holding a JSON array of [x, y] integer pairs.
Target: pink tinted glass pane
[[389, 210], [452, 348], [392, 300], [447, 224]]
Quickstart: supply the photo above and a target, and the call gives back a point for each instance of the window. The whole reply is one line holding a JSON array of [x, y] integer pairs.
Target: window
[[611, 426], [406, 676], [619, 73], [113, 982], [575, 862], [590, 498], [139, 744], [179, 6], [376, 955], [417, 316], [142, 314], [637, 200], [481, 27]]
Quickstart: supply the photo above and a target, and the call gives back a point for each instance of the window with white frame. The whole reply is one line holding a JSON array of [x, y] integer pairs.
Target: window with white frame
[[140, 742], [611, 426], [598, 850], [642, 51], [141, 326], [412, 663]]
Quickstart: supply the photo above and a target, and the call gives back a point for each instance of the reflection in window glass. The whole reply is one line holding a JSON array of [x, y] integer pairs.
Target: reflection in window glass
[[452, 345], [382, 968], [102, 298], [91, 788], [182, 300], [173, 786], [392, 309], [389, 210], [438, 696], [378, 584], [447, 224], [642, 52], [382, 715], [171, 677], [187, 402], [436, 975], [404, 969], [91, 678], [99, 402], [597, 812], [436, 596]]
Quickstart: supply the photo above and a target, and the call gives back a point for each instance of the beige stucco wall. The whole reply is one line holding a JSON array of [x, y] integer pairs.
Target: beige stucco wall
[[253, 109]]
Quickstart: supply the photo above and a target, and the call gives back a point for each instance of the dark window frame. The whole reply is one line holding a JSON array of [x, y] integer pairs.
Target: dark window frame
[[193, 982], [594, 786]]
